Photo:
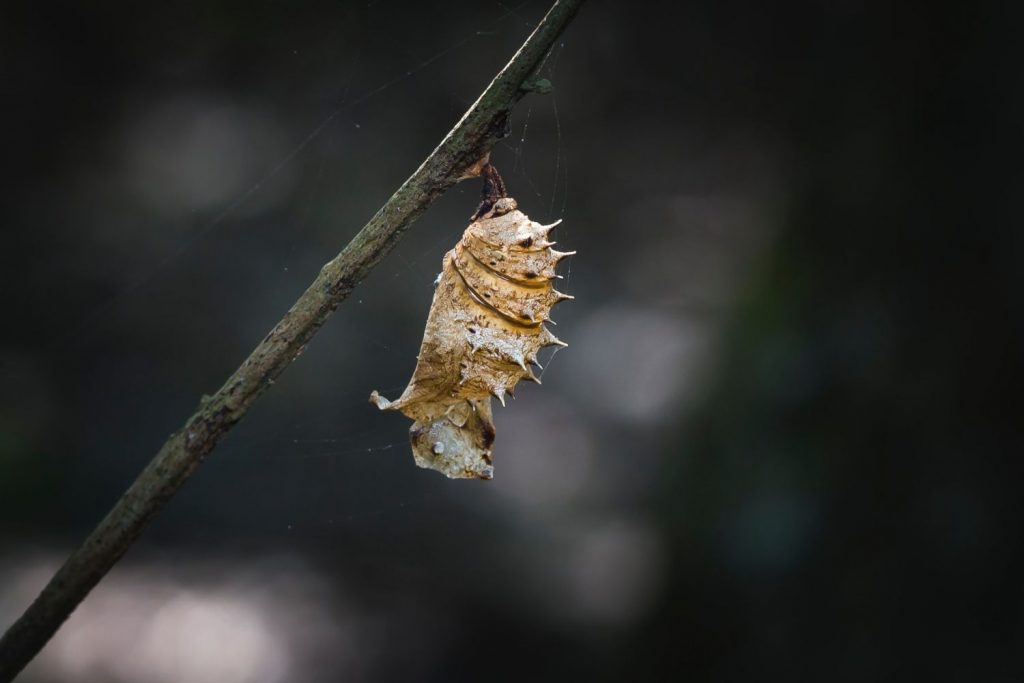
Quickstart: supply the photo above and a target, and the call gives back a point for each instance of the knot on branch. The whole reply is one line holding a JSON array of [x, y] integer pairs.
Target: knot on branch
[[541, 86]]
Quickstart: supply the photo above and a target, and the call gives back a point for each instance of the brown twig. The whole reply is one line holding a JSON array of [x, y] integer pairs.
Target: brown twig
[[493, 190], [458, 155]]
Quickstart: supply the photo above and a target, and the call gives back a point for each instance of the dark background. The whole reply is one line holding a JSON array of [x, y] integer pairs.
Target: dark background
[[783, 444]]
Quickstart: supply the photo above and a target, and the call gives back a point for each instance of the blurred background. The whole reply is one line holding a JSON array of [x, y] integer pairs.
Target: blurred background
[[781, 444]]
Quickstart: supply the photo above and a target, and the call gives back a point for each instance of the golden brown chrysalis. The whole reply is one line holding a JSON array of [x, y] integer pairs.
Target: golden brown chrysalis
[[485, 327]]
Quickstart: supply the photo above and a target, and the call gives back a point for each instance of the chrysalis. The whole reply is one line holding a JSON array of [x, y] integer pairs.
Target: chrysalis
[[485, 327]]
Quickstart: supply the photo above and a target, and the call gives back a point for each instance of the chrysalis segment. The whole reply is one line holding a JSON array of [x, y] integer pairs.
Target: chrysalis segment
[[484, 330]]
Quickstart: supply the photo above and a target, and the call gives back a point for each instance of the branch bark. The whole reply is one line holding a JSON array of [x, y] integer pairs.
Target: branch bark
[[459, 155]]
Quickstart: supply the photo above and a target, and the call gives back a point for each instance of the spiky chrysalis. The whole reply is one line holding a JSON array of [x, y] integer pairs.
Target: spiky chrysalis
[[485, 327]]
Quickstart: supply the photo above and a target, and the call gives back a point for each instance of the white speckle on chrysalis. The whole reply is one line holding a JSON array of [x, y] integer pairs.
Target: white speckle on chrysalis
[[438, 448]]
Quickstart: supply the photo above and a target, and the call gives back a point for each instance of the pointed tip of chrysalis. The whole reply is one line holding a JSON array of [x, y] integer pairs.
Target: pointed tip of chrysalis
[[545, 229], [530, 377], [499, 393], [548, 339], [379, 401]]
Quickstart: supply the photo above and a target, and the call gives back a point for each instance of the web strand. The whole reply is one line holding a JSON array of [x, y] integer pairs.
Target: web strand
[[210, 226]]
